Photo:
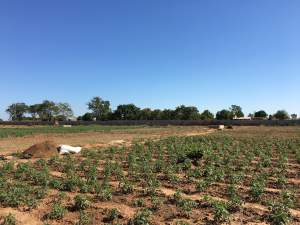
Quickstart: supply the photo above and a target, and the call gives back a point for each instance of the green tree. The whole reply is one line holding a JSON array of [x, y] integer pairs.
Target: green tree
[[224, 115], [16, 111], [33, 110], [236, 111], [127, 112], [145, 114], [260, 114], [46, 110], [207, 115], [156, 114], [99, 107], [186, 113], [168, 114], [87, 117], [62, 111], [281, 115]]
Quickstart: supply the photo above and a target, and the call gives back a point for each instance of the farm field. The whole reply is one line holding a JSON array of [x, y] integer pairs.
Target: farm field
[[20, 137], [169, 175]]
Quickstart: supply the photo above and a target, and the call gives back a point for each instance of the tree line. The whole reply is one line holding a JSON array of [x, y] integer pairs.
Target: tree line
[[100, 109]]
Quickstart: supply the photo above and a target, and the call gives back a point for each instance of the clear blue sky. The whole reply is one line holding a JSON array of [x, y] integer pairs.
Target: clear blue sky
[[156, 53]]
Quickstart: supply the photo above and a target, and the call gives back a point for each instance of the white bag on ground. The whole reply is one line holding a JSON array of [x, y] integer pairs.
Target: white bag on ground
[[67, 149]]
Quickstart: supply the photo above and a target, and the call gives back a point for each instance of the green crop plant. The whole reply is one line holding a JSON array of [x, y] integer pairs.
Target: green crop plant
[[113, 215], [125, 186], [10, 219], [185, 205], [57, 212], [84, 218], [141, 218], [81, 202]]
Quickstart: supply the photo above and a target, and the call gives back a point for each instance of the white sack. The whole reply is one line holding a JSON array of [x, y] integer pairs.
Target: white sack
[[67, 149]]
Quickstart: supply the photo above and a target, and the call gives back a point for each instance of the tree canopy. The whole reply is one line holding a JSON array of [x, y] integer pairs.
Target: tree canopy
[[99, 107], [281, 115], [261, 114], [224, 115]]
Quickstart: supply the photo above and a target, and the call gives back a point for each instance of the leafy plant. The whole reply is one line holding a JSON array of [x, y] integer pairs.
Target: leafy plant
[[10, 219], [57, 211], [141, 218], [81, 202]]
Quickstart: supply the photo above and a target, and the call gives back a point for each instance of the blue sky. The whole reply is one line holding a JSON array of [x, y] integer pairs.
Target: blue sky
[[158, 53]]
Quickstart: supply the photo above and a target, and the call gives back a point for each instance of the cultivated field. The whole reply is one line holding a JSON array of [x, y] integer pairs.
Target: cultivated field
[[142, 175]]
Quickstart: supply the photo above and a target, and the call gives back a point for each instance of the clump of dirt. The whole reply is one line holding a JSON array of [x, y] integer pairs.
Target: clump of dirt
[[45, 149]]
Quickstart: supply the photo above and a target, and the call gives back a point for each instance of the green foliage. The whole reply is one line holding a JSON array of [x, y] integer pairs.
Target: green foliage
[[221, 213], [57, 212], [141, 218], [185, 205], [257, 187], [99, 107], [279, 213], [81, 202], [224, 115], [16, 111], [125, 186], [281, 115], [84, 218], [139, 202], [207, 115], [113, 215], [104, 192], [10, 219], [260, 114], [126, 112], [236, 111]]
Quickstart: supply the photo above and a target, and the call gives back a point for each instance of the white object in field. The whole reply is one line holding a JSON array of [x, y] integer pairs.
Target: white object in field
[[67, 149], [67, 125], [221, 127]]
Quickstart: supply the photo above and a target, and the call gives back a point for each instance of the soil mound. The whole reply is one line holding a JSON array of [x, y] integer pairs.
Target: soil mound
[[45, 149]]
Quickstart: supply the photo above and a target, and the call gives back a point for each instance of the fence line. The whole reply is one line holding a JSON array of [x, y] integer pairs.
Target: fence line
[[163, 122]]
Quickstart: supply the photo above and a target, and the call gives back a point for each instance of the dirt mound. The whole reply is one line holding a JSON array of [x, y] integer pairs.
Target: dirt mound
[[45, 149]]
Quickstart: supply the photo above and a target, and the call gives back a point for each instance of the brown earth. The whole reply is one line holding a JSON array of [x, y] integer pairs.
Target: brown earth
[[99, 139], [45, 149]]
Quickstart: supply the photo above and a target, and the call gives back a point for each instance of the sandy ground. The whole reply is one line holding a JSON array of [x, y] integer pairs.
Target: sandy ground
[[99, 139]]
